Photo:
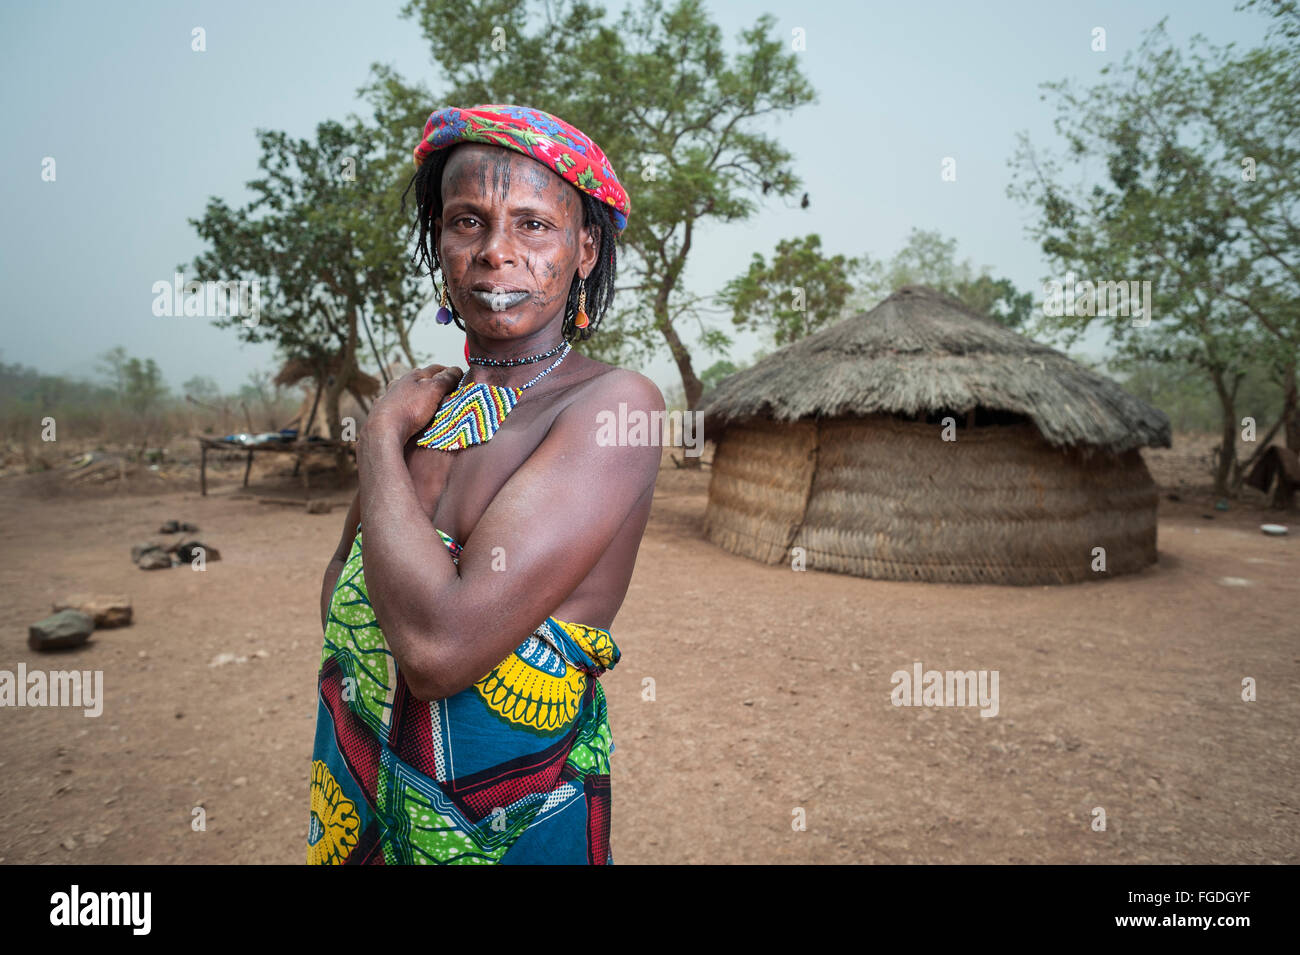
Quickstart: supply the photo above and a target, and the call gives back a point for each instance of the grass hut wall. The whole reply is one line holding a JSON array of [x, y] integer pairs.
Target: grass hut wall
[[835, 444]]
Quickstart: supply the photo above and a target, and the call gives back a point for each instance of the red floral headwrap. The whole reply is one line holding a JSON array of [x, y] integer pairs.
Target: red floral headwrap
[[565, 150]]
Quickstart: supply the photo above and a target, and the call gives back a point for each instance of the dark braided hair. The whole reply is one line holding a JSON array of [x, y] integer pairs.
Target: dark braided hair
[[427, 182]]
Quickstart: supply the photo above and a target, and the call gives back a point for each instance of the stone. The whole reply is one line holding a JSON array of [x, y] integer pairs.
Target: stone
[[107, 610], [137, 550], [187, 551], [318, 507], [154, 559], [62, 631]]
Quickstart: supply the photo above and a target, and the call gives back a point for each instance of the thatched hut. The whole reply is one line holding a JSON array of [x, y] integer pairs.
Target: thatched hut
[[311, 418], [923, 441], [361, 387]]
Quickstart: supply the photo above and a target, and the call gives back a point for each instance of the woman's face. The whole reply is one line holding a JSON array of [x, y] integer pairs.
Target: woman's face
[[510, 239]]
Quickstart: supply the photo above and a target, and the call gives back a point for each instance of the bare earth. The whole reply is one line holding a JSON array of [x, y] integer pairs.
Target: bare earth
[[771, 693]]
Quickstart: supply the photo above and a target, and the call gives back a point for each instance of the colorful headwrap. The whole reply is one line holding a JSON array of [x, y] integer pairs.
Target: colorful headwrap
[[563, 149]]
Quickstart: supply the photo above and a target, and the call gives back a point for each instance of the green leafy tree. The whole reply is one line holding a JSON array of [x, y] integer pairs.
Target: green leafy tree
[[801, 291], [1285, 29], [145, 388], [202, 388], [140, 392], [928, 258], [716, 372], [1201, 151], [325, 236], [112, 366], [138, 385]]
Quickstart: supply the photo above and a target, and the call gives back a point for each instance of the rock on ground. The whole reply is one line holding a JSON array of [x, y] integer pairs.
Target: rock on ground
[[107, 610], [155, 558], [61, 631]]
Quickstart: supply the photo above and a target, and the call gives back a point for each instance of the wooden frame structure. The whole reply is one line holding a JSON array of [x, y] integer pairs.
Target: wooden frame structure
[[299, 449]]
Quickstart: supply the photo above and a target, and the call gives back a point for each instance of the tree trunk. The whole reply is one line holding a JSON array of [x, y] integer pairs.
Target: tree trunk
[[691, 384], [379, 360], [343, 375], [1290, 418], [1261, 445], [304, 427], [404, 338], [1228, 446]]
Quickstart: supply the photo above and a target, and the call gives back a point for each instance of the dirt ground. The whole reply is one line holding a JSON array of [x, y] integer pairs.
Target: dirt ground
[[772, 693]]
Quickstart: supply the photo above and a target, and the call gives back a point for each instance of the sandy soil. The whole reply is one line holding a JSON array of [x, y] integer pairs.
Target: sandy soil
[[771, 694]]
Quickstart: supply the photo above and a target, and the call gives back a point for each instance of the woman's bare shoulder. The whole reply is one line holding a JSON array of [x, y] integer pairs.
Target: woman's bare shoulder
[[622, 385]]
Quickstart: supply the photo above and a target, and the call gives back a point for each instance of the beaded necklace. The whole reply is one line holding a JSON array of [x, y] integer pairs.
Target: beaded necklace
[[511, 362], [473, 414]]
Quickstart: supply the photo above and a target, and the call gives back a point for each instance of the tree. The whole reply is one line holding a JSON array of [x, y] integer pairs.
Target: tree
[[1285, 29], [716, 372], [112, 365], [326, 238], [799, 293], [268, 398], [927, 258], [139, 390], [202, 388], [1201, 153], [145, 388]]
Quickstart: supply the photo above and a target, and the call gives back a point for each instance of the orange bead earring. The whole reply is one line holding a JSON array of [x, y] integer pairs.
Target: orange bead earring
[[581, 320]]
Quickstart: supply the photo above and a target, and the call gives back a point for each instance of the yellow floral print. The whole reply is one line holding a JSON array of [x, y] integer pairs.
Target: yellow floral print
[[332, 832]]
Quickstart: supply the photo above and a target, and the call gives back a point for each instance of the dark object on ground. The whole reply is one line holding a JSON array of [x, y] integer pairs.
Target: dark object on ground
[[62, 631], [177, 527], [318, 507], [188, 550], [106, 610], [140, 549], [155, 558], [1174, 497], [1282, 463]]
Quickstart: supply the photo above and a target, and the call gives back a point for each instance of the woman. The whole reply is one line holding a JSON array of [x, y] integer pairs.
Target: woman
[[460, 718]]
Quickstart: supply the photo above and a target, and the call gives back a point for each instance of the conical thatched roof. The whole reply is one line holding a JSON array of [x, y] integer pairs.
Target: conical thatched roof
[[920, 351], [295, 370]]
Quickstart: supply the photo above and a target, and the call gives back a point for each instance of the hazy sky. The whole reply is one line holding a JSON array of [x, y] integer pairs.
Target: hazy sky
[[144, 130]]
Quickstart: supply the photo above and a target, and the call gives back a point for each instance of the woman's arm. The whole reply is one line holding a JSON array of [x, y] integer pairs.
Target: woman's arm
[[539, 538], [339, 559]]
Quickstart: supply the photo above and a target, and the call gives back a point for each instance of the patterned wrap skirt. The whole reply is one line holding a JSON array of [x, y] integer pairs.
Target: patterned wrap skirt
[[514, 769]]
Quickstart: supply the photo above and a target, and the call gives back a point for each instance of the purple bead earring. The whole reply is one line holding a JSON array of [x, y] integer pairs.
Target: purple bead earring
[[444, 313]]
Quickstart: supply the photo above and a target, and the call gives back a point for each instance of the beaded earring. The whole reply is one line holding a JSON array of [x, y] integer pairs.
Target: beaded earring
[[444, 313], [581, 320]]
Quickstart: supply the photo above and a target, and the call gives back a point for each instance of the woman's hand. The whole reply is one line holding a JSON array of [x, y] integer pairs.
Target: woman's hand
[[411, 401]]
